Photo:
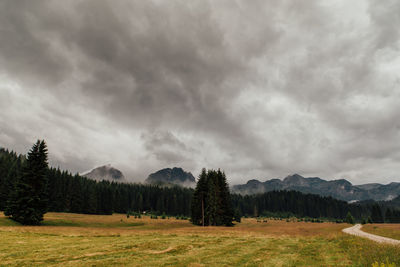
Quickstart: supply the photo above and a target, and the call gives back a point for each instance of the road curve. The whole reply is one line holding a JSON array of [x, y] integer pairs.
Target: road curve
[[356, 230]]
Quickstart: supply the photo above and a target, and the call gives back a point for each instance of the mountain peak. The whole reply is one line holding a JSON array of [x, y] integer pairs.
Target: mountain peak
[[253, 182], [175, 176], [295, 180], [105, 172], [294, 176]]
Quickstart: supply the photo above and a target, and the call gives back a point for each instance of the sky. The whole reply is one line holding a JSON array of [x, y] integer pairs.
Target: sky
[[261, 89]]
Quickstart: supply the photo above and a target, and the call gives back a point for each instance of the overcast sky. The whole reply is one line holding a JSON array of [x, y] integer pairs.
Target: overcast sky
[[261, 89]]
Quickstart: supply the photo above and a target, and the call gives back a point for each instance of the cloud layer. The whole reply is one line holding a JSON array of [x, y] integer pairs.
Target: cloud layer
[[261, 89]]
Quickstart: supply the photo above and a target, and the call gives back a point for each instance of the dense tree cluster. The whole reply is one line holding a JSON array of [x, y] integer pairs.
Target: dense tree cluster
[[376, 214], [10, 168], [74, 193], [211, 204], [392, 215], [27, 202], [78, 194], [297, 203]]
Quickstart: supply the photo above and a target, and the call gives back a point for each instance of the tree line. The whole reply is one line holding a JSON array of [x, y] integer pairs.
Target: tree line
[[296, 203], [210, 204]]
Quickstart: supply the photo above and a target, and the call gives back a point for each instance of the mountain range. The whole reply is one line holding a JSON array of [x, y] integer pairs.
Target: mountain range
[[340, 189]]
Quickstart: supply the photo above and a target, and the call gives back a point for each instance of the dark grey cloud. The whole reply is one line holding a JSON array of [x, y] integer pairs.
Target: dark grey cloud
[[260, 89]]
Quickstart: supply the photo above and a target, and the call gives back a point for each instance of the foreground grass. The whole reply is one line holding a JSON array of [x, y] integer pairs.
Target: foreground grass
[[387, 230], [81, 240]]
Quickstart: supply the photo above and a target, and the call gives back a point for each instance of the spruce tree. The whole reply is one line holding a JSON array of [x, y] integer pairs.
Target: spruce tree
[[199, 200], [28, 203], [225, 211], [212, 200]]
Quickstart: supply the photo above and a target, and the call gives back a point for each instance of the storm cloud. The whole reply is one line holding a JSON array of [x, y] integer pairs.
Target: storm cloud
[[260, 89]]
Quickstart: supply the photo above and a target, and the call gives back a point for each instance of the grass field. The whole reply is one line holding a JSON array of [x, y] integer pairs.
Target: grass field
[[81, 240], [387, 230]]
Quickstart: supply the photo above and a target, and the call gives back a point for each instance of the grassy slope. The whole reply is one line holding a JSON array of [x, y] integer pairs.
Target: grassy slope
[[387, 230], [74, 240]]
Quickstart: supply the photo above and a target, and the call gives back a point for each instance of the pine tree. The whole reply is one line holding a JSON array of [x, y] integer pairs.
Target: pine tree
[[28, 203], [225, 211], [212, 200], [349, 218], [199, 200]]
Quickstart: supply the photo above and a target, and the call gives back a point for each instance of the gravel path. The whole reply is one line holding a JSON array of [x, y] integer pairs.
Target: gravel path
[[356, 230]]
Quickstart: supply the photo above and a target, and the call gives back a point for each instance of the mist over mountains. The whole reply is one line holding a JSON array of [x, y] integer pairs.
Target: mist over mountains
[[174, 176], [163, 177], [340, 189], [107, 173]]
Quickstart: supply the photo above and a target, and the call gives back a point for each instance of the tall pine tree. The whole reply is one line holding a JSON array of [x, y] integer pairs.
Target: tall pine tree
[[199, 200], [28, 203]]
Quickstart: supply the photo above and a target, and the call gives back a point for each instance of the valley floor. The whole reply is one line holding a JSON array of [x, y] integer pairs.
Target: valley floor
[[82, 240]]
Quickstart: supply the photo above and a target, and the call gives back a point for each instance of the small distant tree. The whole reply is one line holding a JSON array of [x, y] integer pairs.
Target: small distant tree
[[349, 218], [28, 203]]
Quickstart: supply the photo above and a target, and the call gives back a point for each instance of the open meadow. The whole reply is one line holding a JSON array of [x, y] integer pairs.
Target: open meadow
[[386, 230], [79, 240]]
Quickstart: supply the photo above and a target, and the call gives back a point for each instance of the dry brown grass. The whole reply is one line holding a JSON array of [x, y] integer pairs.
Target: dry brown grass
[[82, 240], [117, 224]]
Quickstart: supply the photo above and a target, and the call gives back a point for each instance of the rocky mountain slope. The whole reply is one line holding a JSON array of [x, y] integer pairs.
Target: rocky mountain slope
[[174, 176], [106, 172], [340, 189]]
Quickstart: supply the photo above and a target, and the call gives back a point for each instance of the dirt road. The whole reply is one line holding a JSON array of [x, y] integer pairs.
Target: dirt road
[[356, 230]]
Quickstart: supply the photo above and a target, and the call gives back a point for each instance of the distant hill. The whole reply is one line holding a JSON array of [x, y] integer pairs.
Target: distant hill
[[106, 172], [340, 189], [174, 176]]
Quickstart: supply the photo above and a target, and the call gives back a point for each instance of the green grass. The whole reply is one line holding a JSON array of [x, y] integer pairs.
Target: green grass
[[387, 230], [87, 240], [91, 224], [7, 222], [167, 250], [71, 223]]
